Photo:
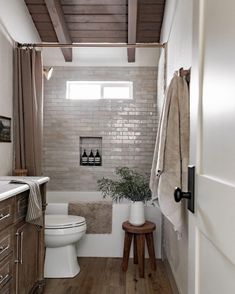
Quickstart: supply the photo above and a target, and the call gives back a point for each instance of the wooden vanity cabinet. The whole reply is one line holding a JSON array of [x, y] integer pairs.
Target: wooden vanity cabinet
[[21, 247], [26, 257]]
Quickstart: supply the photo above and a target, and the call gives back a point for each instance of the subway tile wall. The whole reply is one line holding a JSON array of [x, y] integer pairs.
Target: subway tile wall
[[128, 127]]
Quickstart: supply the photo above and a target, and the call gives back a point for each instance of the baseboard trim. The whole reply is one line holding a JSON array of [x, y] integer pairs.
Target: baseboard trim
[[170, 276]]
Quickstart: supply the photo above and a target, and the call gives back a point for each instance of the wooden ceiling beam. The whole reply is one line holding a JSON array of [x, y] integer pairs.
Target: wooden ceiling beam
[[57, 17], [132, 28]]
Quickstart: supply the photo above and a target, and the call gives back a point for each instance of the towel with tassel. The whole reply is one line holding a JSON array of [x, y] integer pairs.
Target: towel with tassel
[[34, 212], [171, 155]]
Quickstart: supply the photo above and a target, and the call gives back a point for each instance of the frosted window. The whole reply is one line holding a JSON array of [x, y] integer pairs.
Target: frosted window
[[83, 91], [88, 90], [121, 92]]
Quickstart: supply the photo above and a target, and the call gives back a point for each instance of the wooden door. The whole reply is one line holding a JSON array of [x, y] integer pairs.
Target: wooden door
[[26, 257], [212, 149]]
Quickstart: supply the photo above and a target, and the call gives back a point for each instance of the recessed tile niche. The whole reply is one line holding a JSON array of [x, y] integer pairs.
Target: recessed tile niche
[[90, 151]]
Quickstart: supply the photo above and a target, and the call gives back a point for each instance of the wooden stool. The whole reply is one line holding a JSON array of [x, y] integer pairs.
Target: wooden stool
[[140, 234]]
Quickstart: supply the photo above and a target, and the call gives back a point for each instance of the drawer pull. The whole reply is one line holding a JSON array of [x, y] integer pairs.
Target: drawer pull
[[17, 248], [3, 278], [21, 246], [3, 249], [2, 216]]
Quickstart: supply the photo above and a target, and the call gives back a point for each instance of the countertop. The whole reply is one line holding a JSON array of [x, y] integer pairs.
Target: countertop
[[8, 190]]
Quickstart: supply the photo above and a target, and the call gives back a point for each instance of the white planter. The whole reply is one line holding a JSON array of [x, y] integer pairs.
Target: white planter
[[136, 217]]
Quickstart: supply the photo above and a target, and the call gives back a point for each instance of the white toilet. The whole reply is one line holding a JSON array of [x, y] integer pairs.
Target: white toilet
[[62, 232]]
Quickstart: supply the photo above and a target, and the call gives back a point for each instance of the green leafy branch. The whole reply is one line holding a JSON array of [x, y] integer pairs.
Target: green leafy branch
[[130, 185]]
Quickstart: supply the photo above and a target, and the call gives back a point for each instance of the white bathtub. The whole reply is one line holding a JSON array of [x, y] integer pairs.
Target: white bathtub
[[103, 245]]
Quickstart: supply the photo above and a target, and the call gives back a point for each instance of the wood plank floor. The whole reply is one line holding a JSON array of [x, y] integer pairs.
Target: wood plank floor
[[104, 276]]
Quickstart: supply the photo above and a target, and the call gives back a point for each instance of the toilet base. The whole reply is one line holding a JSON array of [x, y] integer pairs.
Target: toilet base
[[61, 262]]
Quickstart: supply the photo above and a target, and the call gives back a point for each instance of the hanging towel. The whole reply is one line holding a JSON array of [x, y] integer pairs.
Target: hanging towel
[[34, 212], [171, 154]]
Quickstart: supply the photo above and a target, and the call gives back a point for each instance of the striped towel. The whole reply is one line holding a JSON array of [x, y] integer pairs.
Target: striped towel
[[34, 212]]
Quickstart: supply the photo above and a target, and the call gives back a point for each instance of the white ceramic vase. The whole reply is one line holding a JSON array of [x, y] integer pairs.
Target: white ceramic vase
[[136, 217]]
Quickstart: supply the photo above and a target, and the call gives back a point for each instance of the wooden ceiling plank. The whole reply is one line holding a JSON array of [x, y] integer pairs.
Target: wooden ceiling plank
[[37, 8], [96, 18], [39, 17], [149, 33], [98, 34], [150, 26], [44, 26], [94, 9], [97, 26], [132, 28], [50, 39], [34, 1], [91, 18], [152, 9], [147, 18], [94, 2], [152, 1], [99, 40], [58, 21], [47, 33], [148, 40]]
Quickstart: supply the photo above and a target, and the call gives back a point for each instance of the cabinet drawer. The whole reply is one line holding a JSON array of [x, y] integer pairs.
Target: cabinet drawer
[[6, 271], [8, 288], [6, 243], [6, 213], [21, 206]]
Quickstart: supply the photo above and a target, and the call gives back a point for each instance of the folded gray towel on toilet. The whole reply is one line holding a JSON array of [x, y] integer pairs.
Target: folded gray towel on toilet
[[34, 212]]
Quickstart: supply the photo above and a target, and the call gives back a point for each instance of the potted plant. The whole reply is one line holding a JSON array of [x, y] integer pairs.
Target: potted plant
[[130, 185]]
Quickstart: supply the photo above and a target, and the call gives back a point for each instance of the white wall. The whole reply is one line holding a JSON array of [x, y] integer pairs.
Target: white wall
[[6, 93], [18, 22], [177, 32], [101, 57]]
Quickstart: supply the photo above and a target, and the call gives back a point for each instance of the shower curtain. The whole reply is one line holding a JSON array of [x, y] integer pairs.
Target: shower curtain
[[28, 110]]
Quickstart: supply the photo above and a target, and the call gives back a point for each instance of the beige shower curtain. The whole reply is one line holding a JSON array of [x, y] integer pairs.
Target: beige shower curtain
[[28, 110]]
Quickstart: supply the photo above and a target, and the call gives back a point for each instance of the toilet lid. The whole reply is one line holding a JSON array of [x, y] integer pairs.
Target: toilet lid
[[55, 221]]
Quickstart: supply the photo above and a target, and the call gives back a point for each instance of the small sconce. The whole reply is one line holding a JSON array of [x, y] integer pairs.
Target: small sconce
[[48, 72]]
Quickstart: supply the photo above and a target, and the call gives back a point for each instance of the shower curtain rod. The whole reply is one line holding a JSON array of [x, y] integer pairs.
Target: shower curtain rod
[[79, 45]]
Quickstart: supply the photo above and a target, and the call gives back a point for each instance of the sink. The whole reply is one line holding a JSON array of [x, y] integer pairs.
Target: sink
[[2, 183]]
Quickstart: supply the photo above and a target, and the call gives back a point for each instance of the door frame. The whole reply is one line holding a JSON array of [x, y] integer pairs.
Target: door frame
[[196, 88]]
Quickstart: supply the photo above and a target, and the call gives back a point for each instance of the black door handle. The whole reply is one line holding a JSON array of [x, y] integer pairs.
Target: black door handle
[[179, 194]]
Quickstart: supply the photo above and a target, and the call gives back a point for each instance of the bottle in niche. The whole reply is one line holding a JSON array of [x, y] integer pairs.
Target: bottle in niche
[[84, 158], [91, 158], [97, 158]]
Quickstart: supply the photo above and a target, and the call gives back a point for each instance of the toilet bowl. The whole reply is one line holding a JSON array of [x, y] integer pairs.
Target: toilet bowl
[[62, 232]]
